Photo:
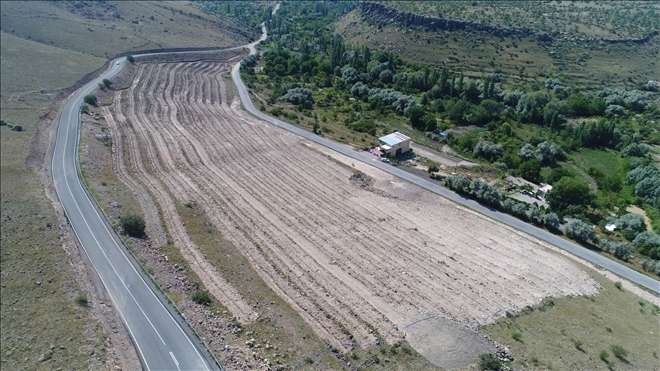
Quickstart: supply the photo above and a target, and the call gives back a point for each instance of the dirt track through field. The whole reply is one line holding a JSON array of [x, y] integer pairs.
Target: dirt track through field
[[348, 259]]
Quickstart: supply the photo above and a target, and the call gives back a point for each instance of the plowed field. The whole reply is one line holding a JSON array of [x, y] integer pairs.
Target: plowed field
[[353, 252]]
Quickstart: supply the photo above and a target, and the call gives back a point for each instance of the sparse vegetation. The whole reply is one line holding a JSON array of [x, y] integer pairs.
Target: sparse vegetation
[[81, 300], [201, 297]]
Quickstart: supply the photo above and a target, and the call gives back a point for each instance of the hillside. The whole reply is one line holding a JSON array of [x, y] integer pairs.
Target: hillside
[[51, 314], [481, 45]]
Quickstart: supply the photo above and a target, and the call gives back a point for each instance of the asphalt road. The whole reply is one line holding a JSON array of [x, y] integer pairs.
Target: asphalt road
[[541, 234], [159, 338]]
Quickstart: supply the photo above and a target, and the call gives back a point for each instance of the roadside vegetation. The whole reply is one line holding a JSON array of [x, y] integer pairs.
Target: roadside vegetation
[[46, 48], [596, 148]]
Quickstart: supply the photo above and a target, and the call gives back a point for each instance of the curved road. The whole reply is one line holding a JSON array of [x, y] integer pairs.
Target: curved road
[[160, 340], [539, 233]]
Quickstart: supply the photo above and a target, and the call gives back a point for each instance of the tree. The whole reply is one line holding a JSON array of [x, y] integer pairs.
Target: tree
[[84, 108], [416, 117], [90, 99], [433, 169], [487, 150], [107, 83], [530, 170], [546, 152], [458, 183], [551, 220], [635, 149], [485, 192], [430, 122], [133, 225], [580, 231], [130, 58], [569, 191], [526, 152]]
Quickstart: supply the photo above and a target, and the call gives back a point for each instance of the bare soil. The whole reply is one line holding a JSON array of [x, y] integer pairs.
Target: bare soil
[[353, 262]]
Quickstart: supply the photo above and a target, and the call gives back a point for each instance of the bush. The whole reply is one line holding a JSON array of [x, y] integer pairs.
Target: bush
[[619, 351], [201, 297], [130, 58], [488, 362], [433, 169], [90, 99], [133, 225], [485, 192], [107, 83], [516, 336], [84, 108], [603, 355], [81, 300]]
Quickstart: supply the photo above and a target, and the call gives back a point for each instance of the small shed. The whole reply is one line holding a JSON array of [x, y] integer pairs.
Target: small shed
[[394, 144]]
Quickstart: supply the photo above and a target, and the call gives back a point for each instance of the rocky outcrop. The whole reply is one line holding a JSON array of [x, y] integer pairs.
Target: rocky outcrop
[[642, 40], [383, 14]]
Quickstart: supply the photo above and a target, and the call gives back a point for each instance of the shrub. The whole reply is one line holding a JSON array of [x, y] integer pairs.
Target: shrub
[[516, 336], [84, 108], [617, 284], [485, 192], [619, 351], [81, 300], [603, 355], [578, 344], [488, 362], [90, 99], [107, 83], [130, 58], [201, 297], [133, 225], [433, 169]]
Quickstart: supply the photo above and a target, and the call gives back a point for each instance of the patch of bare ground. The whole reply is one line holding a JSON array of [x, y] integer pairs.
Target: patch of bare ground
[[351, 262]]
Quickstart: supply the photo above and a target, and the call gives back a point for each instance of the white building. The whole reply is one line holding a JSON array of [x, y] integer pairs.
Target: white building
[[394, 144]]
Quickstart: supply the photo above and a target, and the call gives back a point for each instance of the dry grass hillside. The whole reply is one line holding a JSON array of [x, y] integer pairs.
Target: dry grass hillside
[[46, 47], [573, 58]]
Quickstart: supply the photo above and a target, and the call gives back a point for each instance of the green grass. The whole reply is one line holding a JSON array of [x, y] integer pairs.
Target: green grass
[[607, 161], [572, 333]]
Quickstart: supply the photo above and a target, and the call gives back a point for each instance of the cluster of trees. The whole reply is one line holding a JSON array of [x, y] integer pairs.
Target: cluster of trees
[[301, 55]]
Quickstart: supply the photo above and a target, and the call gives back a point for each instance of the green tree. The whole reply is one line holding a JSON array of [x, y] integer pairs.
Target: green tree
[[416, 117], [569, 191], [130, 59], [107, 83], [530, 170], [133, 225], [84, 108], [90, 99]]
